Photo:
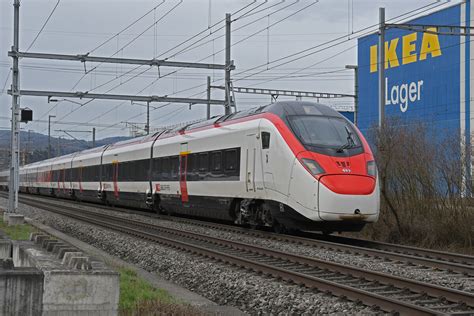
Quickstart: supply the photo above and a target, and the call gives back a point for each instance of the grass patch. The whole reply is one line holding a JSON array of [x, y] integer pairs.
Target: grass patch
[[134, 289], [138, 297], [17, 232]]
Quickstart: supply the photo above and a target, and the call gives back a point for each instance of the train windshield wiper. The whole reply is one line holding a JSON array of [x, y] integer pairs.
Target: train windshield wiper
[[350, 141]]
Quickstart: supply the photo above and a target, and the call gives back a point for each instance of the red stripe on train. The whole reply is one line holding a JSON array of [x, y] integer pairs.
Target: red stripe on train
[[183, 166]]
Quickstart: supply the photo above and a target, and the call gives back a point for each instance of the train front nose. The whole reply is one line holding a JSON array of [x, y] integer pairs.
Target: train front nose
[[348, 197]]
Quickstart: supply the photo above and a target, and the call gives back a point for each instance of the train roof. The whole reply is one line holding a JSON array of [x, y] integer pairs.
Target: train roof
[[282, 108]]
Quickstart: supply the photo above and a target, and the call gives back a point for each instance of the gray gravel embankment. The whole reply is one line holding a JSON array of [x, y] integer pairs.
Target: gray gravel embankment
[[414, 272], [251, 293]]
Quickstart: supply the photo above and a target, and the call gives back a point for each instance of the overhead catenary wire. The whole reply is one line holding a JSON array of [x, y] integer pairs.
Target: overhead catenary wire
[[137, 74], [44, 25], [6, 80], [125, 28], [269, 26], [192, 47], [231, 45], [275, 66], [424, 8], [135, 38], [113, 79], [318, 62], [132, 40], [204, 31], [341, 39]]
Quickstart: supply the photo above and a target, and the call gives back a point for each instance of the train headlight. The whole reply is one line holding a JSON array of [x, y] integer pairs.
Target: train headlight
[[371, 168], [312, 166]]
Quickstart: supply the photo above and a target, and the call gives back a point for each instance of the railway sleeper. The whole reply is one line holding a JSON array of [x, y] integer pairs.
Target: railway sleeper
[[337, 278], [412, 296], [285, 264], [448, 307], [355, 282], [429, 301], [392, 292], [377, 288]]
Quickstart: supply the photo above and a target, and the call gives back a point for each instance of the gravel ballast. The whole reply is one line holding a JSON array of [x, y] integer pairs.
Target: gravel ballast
[[413, 272], [225, 285]]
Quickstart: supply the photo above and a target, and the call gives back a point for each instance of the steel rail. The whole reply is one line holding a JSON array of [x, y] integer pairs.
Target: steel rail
[[428, 258], [403, 249], [338, 289]]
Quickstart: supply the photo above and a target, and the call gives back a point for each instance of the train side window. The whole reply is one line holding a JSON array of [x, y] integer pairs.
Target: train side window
[[97, 173], [174, 167], [157, 168], [216, 161], [265, 140], [137, 170], [87, 174], [203, 162], [120, 176], [147, 172], [231, 159], [104, 173], [131, 174], [165, 171], [190, 168]]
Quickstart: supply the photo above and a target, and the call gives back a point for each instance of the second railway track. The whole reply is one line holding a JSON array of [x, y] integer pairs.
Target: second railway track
[[457, 263], [390, 293]]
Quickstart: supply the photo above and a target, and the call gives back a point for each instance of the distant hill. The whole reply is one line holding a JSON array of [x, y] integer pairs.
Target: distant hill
[[37, 146]]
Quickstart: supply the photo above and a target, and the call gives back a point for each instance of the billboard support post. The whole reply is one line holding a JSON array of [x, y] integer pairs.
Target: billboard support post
[[381, 68], [356, 87]]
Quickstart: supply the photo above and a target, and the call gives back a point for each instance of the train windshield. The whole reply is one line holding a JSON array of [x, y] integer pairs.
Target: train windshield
[[323, 131]]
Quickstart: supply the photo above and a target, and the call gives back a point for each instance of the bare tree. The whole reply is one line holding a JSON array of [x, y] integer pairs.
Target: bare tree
[[424, 186]]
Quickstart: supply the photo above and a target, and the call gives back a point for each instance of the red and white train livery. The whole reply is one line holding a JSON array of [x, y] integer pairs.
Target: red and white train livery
[[297, 165]]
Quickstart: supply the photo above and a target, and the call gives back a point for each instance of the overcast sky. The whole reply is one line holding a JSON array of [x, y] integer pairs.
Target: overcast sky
[[80, 26]]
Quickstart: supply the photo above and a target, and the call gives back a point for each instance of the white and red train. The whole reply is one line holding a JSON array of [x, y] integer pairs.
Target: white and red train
[[297, 165]]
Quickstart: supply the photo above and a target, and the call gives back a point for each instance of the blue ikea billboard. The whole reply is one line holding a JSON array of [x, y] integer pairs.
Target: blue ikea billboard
[[425, 75]]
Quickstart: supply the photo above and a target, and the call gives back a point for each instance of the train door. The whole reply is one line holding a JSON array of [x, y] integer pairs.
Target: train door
[[183, 164], [267, 161], [251, 154]]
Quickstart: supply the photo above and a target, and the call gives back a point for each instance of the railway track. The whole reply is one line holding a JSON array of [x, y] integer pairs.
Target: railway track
[[390, 293], [452, 262]]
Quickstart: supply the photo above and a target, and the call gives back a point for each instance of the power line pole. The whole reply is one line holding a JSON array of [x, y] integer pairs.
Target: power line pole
[[93, 137], [381, 63], [28, 146], [356, 87], [49, 135], [58, 150], [147, 126], [208, 112], [228, 102], [15, 142], [227, 63]]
